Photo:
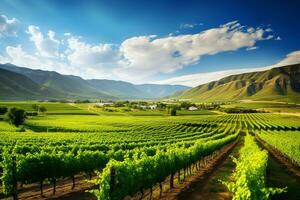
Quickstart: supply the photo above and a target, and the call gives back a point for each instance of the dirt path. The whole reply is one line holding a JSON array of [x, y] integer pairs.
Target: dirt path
[[63, 190], [211, 188]]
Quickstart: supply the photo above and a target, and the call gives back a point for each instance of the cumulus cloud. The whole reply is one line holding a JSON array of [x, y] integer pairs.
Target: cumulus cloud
[[19, 57], [137, 58], [148, 55], [95, 56], [202, 78], [4, 59], [8, 27], [47, 46], [291, 58]]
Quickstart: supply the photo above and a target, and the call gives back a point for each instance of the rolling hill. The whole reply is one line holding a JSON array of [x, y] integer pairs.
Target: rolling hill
[[279, 84], [14, 86], [74, 87], [71, 86]]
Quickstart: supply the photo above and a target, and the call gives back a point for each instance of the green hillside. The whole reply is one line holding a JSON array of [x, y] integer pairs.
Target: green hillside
[[278, 84], [120, 89], [70, 86], [158, 91], [14, 86], [74, 87]]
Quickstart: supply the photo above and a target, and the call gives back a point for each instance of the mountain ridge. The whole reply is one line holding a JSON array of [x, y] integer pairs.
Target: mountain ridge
[[279, 83], [17, 86], [75, 87]]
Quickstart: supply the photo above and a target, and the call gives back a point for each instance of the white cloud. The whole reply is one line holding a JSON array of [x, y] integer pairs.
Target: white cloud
[[19, 57], [8, 27], [4, 60], [136, 59], [269, 30], [146, 56], [46, 46], [291, 58], [269, 37], [188, 26], [202, 78], [94, 56], [278, 38], [251, 48]]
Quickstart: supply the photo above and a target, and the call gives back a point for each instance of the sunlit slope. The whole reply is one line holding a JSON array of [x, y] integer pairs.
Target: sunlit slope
[[75, 87], [280, 84], [14, 86]]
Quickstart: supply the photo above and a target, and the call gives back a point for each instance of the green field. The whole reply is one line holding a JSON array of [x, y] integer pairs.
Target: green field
[[144, 147], [269, 106]]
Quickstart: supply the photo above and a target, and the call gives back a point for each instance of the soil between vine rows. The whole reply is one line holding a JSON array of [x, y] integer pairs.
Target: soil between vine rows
[[281, 173], [210, 187]]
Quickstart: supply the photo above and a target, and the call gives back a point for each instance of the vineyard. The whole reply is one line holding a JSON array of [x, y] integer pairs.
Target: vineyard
[[131, 154]]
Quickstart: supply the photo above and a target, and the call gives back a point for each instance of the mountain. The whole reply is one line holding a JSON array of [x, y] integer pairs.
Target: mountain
[[158, 91], [70, 86], [74, 87], [279, 84], [14, 86], [120, 89]]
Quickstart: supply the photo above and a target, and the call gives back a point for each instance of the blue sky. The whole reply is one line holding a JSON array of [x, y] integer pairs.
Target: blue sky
[[174, 42]]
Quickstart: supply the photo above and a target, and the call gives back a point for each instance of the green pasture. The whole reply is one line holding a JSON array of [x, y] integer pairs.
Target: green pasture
[[269, 106]]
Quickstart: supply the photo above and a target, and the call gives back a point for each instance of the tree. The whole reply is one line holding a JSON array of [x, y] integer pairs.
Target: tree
[[185, 105], [35, 107], [173, 112], [16, 116], [43, 109], [3, 110]]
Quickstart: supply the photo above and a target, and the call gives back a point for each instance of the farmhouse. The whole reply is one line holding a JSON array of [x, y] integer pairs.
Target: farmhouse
[[193, 108], [153, 107], [104, 104]]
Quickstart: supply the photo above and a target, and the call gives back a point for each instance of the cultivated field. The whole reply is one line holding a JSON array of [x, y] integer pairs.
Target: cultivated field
[[146, 153]]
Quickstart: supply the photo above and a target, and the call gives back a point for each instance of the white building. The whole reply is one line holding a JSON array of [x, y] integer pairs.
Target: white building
[[193, 108], [143, 107], [104, 104], [153, 107]]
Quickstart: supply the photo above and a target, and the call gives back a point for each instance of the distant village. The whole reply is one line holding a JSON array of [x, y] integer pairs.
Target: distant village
[[144, 105]]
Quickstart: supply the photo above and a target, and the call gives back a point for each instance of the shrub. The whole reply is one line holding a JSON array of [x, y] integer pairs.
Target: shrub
[[16, 116], [240, 110], [3, 110], [35, 107], [43, 109], [31, 113], [173, 112]]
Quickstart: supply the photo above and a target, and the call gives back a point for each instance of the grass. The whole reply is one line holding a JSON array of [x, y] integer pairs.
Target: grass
[[269, 106], [52, 108], [84, 126]]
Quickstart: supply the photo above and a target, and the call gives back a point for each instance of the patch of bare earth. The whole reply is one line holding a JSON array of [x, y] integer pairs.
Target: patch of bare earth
[[63, 190]]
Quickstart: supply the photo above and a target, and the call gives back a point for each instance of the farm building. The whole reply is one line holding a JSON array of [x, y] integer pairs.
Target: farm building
[[193, 108]]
